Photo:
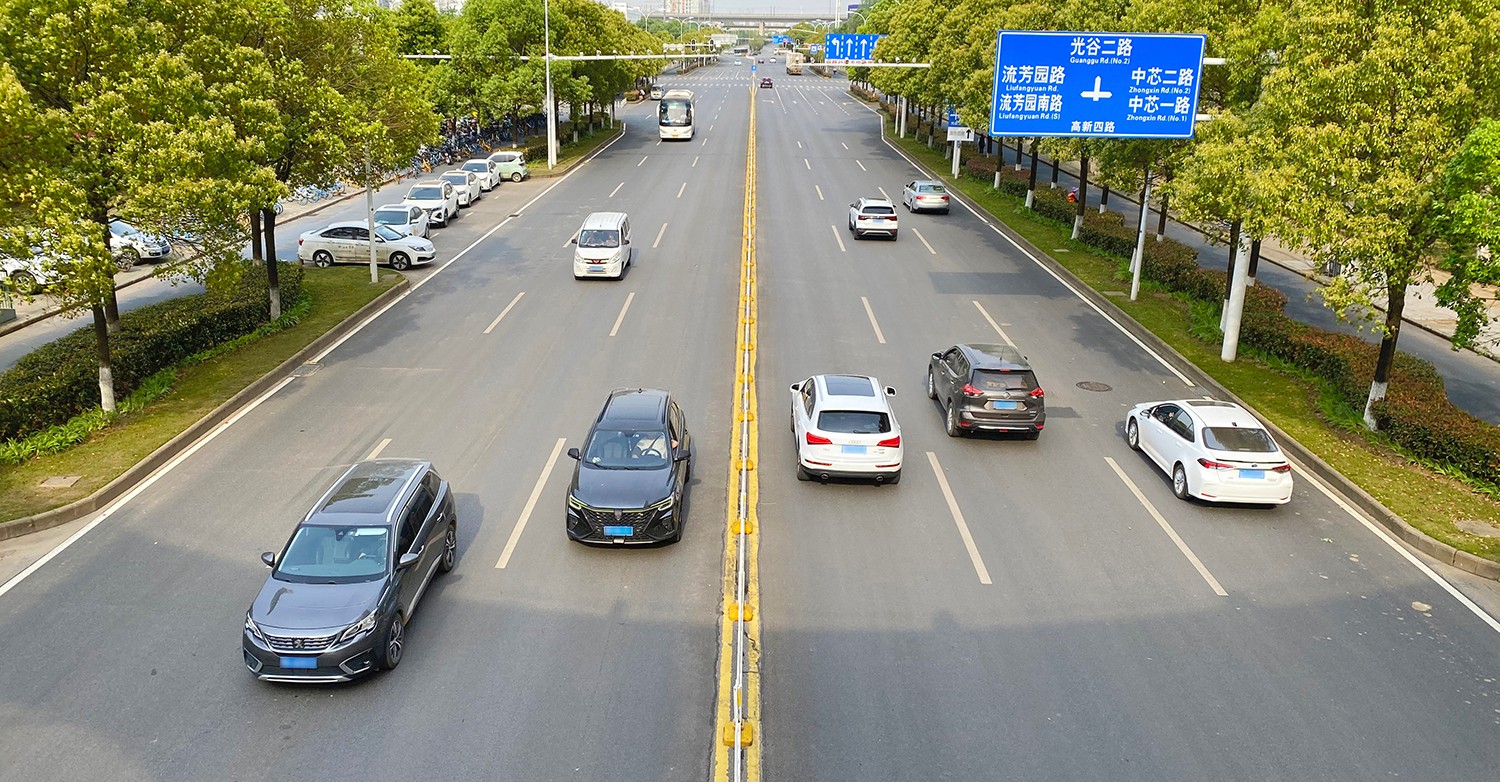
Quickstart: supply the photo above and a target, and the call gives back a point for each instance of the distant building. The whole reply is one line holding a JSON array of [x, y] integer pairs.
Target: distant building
[[449, 6]]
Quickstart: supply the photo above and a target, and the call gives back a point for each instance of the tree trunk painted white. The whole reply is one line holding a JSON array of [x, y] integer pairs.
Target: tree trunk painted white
[[106, 370], [1236, 309], [1377, 393], [1137, 261]]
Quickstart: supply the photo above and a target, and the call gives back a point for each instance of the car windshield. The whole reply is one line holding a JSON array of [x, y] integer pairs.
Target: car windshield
[[122, 229], [1235, 438], [457, 179], [854, 422], [476, 165], [599, 238], [989, 380], [676, 111], [391, 216], [427, 193], [335, 555], [628, 449], [879, 210], [388, 233]]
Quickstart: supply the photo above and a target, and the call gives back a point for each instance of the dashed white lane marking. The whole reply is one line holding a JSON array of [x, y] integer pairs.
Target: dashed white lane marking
[[375, 454], [879, 336], [1167, 528], [695, 162], [643, 161], [658, 236], [504, 312], [806, 163], [820, 192], [837, 237], [958, 519], [887, 196], [629, 298], [924, 240], [842, 144], [994, 325], [861, 166], [536, 493], [616, 190], [680, 189]]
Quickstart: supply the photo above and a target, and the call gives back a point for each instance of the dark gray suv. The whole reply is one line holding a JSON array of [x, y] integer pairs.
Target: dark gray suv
[[345, 585], [633, 471], [984, 386]]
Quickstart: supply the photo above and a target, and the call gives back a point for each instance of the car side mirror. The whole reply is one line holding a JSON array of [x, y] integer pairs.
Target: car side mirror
[[889, 391], [796, 388], [409, 558], [937, 356], [575, 240], [851, 206], [574, 454], [627, 241], [682, 455], [269, 558]]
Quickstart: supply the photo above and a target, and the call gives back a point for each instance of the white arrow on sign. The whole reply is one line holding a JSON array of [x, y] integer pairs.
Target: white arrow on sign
[[1096, 93]]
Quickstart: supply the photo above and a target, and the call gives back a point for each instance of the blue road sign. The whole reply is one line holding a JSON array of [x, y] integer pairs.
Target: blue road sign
[[850, 47], [1105, 85], [754, 68], [953, 118], [854, 6]]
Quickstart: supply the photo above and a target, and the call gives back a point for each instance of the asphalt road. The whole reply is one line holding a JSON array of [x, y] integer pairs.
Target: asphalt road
[[1097, 652]]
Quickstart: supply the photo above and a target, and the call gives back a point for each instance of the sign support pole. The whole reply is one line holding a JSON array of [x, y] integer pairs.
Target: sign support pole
[[1139, 259], [955, 158], [1236, 308]]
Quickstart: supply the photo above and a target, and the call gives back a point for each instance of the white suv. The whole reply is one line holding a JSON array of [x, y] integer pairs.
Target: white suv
[[872, 216], [438, 198], [844, 428]]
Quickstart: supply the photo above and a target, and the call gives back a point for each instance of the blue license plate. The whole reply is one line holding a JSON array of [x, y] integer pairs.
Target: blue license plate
[[1257, 474], [855, 449], [623, 531], [1002, 405], [307, 663]]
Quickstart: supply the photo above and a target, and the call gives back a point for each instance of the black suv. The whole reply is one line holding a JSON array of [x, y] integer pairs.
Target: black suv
[[342, 590], [986, 387], [633, 471]]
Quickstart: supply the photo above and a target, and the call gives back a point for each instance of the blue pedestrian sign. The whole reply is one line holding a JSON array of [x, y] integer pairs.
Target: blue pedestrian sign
[[850, 48], [1099, 85], [953, 118]]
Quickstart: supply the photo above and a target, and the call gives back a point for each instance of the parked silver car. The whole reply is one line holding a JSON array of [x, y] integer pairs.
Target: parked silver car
[[349, 242]]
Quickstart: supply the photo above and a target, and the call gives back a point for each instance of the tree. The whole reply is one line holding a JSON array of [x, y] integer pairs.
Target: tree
[[1468, 215], [420, 28]]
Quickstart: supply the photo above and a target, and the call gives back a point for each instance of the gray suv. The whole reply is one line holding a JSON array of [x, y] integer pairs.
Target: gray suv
[[343, 589], [985, 386]]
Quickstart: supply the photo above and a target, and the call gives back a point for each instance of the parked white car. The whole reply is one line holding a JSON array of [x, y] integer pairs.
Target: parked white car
[[349, 242], [438, 198], [845, 428], [130, 245], [406, 218], [1215, 451], [487, 170], [27, 275], [467, 185]]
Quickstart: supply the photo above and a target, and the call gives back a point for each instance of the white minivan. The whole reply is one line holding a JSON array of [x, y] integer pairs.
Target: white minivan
[[603, 246]]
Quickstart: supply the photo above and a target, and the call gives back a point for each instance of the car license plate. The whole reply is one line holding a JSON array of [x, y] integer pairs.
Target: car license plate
[[299, 662], [855, 449], [1005, 405], [622, 531], [1257, 474]]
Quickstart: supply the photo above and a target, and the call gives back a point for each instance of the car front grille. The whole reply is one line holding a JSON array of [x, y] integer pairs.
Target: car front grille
[[597, 519], [282, 643]]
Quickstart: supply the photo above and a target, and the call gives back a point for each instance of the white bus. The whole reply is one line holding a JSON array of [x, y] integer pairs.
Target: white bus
[[675, 115]]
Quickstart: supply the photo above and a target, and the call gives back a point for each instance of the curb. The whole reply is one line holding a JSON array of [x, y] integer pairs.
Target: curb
[[1357, 496], [128, 479], [562, 170]]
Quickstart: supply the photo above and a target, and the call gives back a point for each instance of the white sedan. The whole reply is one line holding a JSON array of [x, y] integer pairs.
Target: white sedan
[[467, 185], [349, 242], [1215, 451], [406, 218], [487, 171], [844, 428]]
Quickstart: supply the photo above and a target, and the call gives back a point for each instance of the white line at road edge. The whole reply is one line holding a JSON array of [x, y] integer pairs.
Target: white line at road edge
[[504, 312], [628, 298], [837, 237], [958, 518], [242, 412], [142, 486], [1167, 528], [993, 324], [871, 313], [536, 493], [920, 236], [1096, 308], [378, 449], [1400, 549]]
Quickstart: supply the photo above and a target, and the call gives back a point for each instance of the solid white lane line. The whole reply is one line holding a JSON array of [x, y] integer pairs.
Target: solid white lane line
[[504, 312], [805, 163], [643, 160], [1167, 528], [623, 310], [861, 166], [376, 453], [695, 162], [958, 519], [616, 190], [820, 192], [658, 236], [887, 197], [1384, 535], [994, 325], [873, 324], [680, 189], [536, 493], [838, 237], [924, 240]]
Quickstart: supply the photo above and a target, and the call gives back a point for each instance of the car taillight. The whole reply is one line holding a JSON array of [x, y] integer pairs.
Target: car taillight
[[861, 217], [894, 442], [299, 241], [1213, 465], [813, 439], [1285, 468], [1037, 393], [945, 198], [970, 390]]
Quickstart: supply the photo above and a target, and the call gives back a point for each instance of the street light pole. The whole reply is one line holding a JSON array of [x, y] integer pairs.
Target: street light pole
[[551, 113], [370, 215]]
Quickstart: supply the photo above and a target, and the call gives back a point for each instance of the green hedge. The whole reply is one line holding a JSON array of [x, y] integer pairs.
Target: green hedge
[[59, 380]]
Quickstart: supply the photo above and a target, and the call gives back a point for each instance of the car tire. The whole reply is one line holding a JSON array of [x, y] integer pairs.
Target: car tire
[[950, 421], [516, 177], [322, 259], [128, 259], [893, 236], [1133, 435], [1179, 481], [931, 386], [450, 550], [946, 211], [803, 474], [392, 644], [400, 262], [24, 281]]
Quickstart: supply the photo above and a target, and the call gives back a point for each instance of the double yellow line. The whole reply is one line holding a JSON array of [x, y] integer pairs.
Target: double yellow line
[[736, 751]]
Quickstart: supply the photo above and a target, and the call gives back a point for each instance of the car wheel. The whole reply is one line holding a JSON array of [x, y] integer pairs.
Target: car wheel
[[1179, 482], [450, 550], [128, 259], [803, 474], [400, 262], [516, 177], [1133, 435], [931, 387], [950, 421], [893, 236], [24, 282], [323, 258], [393, 646]]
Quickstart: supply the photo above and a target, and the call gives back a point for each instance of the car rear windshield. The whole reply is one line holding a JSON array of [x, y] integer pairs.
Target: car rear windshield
[[476, 165], [993, 380], [880, 210], [626, 449], [599, 238], [457, 179], [391, 216], [1235, 438], [429, 193], [335, 555], [939, 189], [854, 422]]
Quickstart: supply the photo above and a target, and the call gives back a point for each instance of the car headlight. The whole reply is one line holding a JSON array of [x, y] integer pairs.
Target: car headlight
[[252, 628], [664, 505], [365, 624], [574, 502]]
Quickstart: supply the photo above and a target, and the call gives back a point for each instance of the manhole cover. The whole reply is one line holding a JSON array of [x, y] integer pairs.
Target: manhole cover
[[1094, 385], [306, 369]]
